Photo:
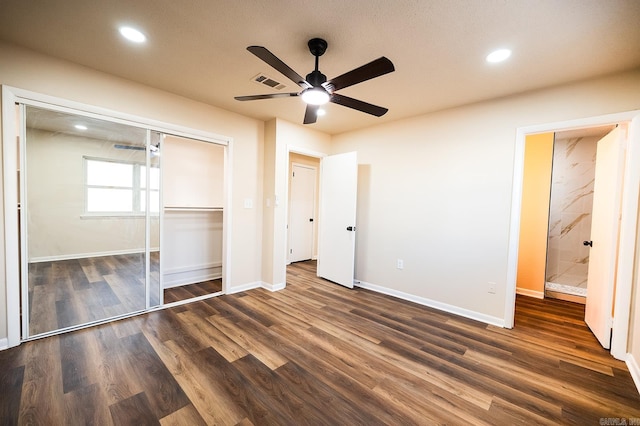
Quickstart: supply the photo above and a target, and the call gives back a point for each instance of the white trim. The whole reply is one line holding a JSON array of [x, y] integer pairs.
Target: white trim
[[627, 245], [273, 287], [627, 242], [226, 217], [182, 269], [488, 319], [246, 287], [10, 199], [185, 275], [4, 344], [87, 255], [634, 369], [256, 284], [73, 107], [178, 282], [531, 293], [514, 231]]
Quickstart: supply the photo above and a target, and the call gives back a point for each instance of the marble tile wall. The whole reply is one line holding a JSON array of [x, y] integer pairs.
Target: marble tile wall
[[570, 210]]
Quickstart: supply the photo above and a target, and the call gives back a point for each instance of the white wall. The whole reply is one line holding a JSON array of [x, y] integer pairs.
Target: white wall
[[283, 137], [39, 73], [55, 208], [435, 190]]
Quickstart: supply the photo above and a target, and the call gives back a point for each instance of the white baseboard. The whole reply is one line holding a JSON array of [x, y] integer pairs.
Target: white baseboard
[[488, 319], [273, 287], [245, 287], [634, 369], [530, 293], [254, 285], [4, 344], [185, 275], [87, 255]]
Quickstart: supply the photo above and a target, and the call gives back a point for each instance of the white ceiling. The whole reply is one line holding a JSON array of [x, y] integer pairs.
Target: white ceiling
[[197, 48]]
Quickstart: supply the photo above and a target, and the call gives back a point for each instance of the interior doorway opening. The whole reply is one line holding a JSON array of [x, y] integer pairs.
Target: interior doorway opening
[[302, 220], [570, 212], [626, 244]]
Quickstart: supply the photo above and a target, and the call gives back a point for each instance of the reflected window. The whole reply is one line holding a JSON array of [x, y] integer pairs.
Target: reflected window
[[119, 187]]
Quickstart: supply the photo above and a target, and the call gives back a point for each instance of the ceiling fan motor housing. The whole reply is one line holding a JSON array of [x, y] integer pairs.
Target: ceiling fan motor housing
[[317, 46], [316, 78]]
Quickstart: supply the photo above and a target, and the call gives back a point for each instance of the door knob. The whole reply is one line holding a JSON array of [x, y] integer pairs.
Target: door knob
[[351, 228], [587, 243], [311, 220]]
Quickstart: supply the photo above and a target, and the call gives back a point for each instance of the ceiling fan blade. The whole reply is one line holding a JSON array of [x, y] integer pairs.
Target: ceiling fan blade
[[311, 114], [366, 72], [269, 96], [284, 69], [359, 105]]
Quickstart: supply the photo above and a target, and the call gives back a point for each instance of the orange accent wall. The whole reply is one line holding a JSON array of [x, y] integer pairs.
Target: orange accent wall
[[534, 219]]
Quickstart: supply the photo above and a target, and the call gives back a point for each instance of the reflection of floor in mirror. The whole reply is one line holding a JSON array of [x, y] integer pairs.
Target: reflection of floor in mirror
[[77, 291]]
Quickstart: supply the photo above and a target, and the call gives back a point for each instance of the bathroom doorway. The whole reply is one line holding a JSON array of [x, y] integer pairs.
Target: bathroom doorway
[[570, 212]]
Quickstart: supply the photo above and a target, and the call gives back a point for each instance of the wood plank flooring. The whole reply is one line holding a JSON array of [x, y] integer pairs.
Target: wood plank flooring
[[189, 291], [78, 291], [317, 353]]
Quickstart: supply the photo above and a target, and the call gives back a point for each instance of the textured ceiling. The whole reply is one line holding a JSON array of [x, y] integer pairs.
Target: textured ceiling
[[197, 48]]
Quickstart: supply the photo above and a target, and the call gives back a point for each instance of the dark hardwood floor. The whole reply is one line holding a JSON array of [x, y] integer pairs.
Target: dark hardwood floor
[[189, 291], [72, 292], [317, 353]]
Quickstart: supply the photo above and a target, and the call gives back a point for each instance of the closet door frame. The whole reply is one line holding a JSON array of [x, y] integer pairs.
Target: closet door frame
[[12, 98]]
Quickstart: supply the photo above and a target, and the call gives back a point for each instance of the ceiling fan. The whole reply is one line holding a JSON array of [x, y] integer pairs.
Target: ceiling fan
[[316, 90]]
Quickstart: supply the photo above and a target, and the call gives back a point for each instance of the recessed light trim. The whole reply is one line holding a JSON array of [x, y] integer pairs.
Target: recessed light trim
[[132, 34], [80, 127], [498, 55]]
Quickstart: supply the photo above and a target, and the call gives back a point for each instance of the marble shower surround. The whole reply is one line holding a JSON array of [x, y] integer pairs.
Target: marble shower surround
[[570, 208]]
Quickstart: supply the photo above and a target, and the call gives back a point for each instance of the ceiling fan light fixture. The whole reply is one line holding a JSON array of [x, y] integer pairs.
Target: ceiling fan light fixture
[[320, 112], [315, 96]]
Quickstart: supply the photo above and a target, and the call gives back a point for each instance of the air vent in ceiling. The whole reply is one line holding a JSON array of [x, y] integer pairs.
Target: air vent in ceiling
[[265, 80]]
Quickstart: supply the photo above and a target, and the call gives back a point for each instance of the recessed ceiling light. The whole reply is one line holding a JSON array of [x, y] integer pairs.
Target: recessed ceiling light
[[80, 127], [498, 55], [321, 112], [133, 35]]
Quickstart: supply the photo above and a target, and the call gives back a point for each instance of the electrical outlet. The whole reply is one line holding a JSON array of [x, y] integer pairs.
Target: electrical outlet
[[491, 288], [400, 264]]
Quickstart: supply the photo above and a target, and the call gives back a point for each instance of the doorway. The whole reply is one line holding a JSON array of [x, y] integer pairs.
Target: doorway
[[570, 212], [303, 205], [627, 245]]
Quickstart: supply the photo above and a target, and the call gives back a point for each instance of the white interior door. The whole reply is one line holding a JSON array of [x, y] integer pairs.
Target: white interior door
[[604, 235], [301, 212], [337, 221]]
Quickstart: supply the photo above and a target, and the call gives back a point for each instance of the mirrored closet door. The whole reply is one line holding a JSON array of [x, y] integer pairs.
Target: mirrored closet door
[[90, 220]]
